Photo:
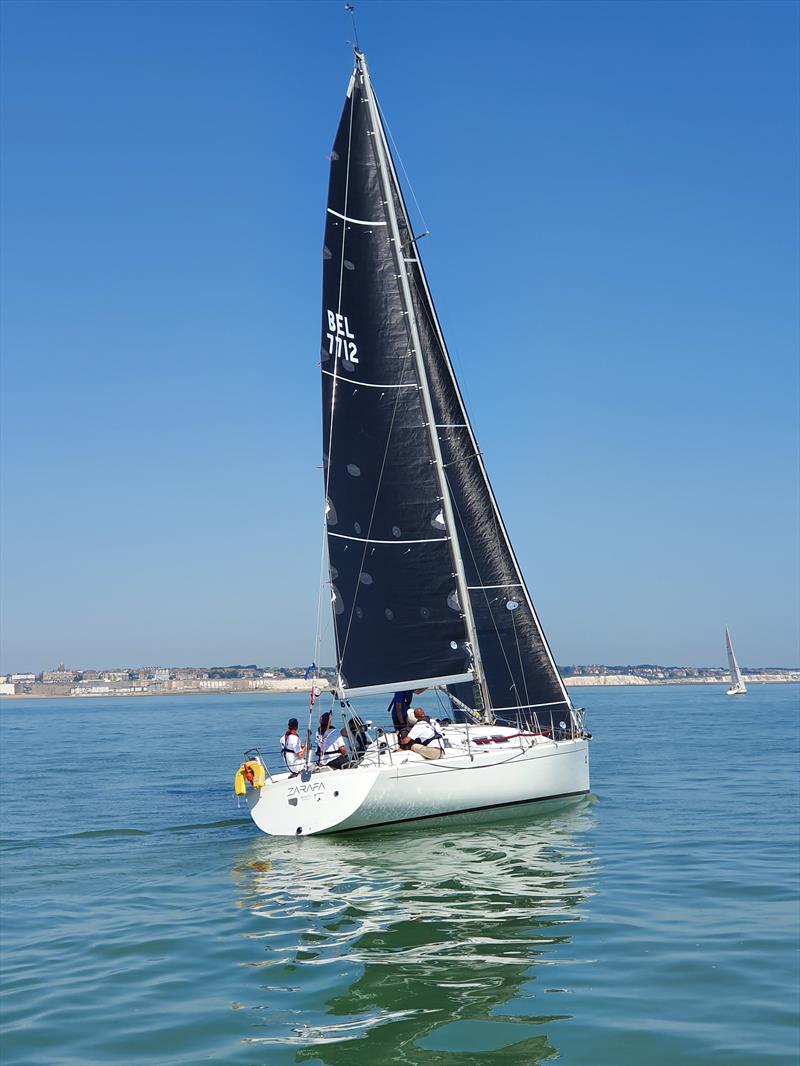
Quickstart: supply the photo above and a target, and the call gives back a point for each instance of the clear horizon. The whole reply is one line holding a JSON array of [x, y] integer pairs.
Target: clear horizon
[[614, 254]]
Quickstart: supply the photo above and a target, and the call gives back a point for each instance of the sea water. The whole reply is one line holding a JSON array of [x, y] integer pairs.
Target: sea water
[[146, 920]]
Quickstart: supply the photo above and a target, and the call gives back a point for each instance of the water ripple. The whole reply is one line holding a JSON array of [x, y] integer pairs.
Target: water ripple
[[146, 922]]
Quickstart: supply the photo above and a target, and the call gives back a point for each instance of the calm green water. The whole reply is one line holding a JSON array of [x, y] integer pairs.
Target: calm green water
[[145, 921]]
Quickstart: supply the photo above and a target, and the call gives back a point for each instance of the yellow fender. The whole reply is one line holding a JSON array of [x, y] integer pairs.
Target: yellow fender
[[241, 777]]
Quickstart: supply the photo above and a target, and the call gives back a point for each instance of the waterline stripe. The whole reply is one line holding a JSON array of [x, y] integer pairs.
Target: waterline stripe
[[467, 810]]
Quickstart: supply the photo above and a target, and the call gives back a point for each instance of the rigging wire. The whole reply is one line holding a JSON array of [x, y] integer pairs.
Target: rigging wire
[[460, 388], [436, 766], [499, 539], [424, 304], [485, 593], [402, 164], [466, 392], [519, 654], [350, 9], [318, 633]]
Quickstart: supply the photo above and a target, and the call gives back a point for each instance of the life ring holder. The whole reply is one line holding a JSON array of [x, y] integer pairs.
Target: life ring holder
[[252, 772]]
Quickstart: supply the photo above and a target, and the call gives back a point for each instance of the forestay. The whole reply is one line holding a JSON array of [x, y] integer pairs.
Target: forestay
[[513, 656]]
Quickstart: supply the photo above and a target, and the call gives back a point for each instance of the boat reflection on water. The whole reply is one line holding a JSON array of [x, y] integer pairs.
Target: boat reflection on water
[[415, 947]]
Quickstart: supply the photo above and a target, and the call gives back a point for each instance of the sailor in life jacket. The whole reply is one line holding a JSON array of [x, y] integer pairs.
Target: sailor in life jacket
[[331, 751], [292, 749], [424, 737]]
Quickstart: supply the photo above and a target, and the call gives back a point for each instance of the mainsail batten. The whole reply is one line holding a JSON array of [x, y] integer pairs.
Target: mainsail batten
[[396, 607]]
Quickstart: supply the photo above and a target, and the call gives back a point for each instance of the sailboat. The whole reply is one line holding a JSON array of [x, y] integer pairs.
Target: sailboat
[[426, 590], [737, 681]]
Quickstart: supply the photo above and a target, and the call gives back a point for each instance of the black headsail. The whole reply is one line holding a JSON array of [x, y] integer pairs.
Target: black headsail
[[517, 669], [397, 586]]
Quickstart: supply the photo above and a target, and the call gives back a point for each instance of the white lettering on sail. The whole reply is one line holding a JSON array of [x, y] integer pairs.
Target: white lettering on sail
[[341, 340]]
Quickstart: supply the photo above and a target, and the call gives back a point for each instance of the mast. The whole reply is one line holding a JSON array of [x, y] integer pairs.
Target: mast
[[387, 172]]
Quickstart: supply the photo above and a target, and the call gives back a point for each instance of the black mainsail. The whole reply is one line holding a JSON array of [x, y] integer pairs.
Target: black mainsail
[[394, 576], [499, 630]]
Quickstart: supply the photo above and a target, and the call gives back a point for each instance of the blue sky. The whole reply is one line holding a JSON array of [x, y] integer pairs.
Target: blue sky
[[611, 190]]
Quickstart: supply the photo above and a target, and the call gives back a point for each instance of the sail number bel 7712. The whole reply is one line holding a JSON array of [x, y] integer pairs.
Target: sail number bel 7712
[[341, 341]]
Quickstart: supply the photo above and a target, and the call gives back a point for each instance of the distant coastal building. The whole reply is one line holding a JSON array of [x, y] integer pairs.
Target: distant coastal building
[[153, 673], [91, 686], [22, 679], [58, 677]]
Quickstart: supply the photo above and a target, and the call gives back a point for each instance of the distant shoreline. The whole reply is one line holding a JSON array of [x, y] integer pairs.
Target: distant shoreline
[[788, 677], [294, 686], [224, 688]]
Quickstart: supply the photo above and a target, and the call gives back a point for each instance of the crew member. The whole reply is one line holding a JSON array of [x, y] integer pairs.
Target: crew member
[[400, 707], [357, 732], [292, 749], [331, 751], [424, 737]]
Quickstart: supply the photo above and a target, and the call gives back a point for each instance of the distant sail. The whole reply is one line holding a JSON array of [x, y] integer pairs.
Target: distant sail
[[737, 682], [397, 616]]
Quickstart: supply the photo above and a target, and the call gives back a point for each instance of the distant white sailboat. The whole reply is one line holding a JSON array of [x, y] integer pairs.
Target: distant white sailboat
[[737, 682]]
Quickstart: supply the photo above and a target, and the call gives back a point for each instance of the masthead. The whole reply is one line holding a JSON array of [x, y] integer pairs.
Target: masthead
[[350, 8]]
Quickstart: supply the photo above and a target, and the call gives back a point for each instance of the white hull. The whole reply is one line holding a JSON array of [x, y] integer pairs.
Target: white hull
[[472, 777], [737, 690]]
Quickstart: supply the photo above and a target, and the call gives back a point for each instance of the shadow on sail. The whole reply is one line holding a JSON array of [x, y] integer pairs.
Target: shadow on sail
[[414, 949]]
